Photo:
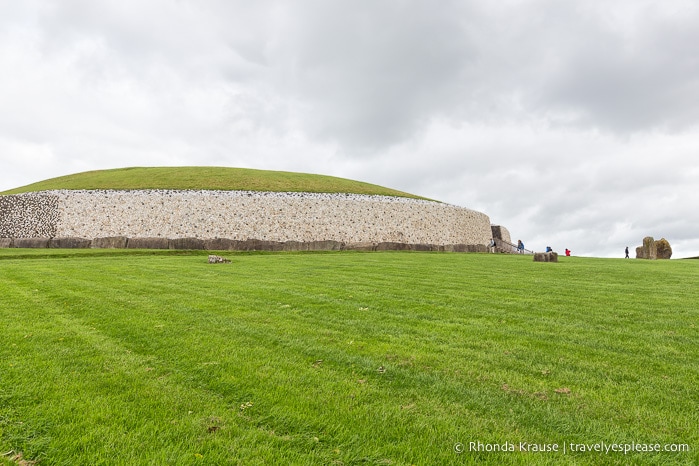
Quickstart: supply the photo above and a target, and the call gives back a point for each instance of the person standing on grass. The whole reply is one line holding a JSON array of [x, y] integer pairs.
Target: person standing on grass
[[627, 252], [520, 246], [492, 245]]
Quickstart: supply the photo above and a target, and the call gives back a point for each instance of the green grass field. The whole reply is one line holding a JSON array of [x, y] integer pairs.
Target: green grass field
[[207, 178], [123, 357]]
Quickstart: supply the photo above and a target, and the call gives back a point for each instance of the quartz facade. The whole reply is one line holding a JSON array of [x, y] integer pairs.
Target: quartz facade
[[240, 215]]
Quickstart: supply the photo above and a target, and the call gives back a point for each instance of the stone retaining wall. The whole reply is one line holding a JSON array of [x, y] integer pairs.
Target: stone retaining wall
[[166, 219]]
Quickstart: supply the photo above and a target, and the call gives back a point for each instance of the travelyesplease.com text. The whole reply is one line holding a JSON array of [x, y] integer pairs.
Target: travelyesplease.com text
[[566, 448]]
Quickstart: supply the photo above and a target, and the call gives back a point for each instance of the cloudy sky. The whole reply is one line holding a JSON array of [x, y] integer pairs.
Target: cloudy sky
[[574, 124]]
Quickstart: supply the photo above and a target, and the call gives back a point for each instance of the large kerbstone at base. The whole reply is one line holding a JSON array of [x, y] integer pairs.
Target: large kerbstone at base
[[259, 245], [30, 243], [112, 242], [391, 246], [219, 244], [70, 243], [5, 242], [362, 246], [148, 243], [314, 246], [186, 243], [465, 248]]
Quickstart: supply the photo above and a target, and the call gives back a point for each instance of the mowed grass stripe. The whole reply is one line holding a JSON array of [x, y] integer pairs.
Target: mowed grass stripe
[[275, 358]]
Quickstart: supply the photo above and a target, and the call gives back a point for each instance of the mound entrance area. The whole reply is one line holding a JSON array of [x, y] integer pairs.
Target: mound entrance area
[[171, 208]]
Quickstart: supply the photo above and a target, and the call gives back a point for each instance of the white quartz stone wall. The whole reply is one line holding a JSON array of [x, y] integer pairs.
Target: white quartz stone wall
[[242, 215]]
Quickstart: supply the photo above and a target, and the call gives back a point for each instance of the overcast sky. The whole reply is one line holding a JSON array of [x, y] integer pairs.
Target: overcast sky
[[574, 124]]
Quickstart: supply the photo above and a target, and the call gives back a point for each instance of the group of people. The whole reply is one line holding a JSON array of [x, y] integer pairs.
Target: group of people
[[520, 247]]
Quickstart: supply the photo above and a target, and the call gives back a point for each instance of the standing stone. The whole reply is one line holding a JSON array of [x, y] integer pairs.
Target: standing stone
[[664, 251], [649, 249]]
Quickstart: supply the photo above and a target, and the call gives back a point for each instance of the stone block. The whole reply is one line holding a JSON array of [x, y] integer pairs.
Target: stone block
[[111, 242], [663, 249], [259, 245], [362, 246], [148, 243], [70, 243], [392, 246], [220, 244], [545, 257], [649, 249], [187, 243], [30, 243], [327, 245], [5, 242], [465, 248]]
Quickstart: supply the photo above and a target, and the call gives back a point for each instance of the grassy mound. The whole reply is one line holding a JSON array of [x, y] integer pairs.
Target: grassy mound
[[207, 178]]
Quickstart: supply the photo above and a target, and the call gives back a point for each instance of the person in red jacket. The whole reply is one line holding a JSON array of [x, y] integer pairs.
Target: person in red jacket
[[567, 252]]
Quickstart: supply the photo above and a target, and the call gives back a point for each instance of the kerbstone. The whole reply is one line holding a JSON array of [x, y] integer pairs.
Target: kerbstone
[[148, 243], [70, 243], [112, 242], [31, 243]]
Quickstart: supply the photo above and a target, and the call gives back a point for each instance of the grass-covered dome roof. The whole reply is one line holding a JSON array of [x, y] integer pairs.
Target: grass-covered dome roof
[[206, 178]]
